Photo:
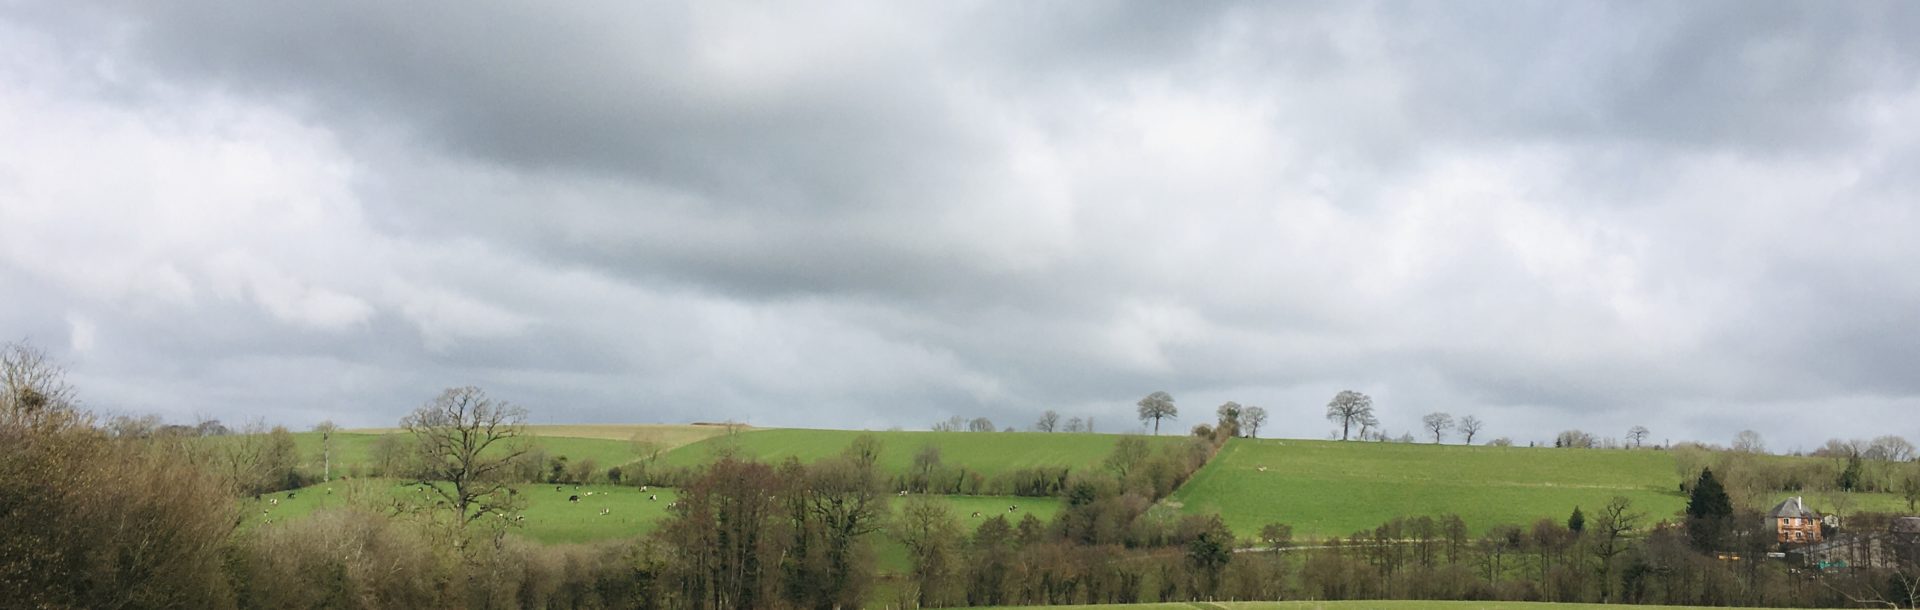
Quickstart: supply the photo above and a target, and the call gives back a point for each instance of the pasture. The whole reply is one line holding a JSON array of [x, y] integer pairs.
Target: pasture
[[552, 519], [988, 453], [361, 449], [1331, 488]]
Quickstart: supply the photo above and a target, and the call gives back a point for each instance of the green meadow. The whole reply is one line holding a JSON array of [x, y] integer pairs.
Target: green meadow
[[551, 518], [1331, 488], [351, 449], [988, 453]]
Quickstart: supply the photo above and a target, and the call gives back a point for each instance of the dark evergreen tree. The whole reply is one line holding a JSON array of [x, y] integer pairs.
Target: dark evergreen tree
[[1709, 512], [1577, 521], [1851, 477]]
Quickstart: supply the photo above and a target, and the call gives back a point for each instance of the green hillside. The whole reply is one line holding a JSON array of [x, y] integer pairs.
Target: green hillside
[[1331, 488], [352, 449], [1328, 488], [988, 453]]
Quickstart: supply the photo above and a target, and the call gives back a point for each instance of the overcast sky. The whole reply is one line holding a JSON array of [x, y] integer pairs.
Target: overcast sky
[[1692, 216]]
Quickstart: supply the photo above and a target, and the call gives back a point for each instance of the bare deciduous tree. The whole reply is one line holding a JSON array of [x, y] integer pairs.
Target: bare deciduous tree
[[952, 424], [1075, 424], [1610, 530], [1251, 418], [467, 440], [326, 430], [1890, 448], [33, 389], [980, 424], [1437, 423], [1748, 441], [1158, 406], [1470, 426], [1638, 434], [1048, 421], [1349, 408]]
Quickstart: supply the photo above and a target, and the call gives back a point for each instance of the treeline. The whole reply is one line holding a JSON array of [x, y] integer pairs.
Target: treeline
[[1755, 479], [751, 535]]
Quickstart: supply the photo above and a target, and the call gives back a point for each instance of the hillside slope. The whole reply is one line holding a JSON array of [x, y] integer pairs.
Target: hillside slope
[[1333, 488], [989, 453], [1330, 488]]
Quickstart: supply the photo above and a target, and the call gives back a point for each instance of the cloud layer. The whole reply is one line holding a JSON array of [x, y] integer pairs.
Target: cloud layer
[[1698, 218]]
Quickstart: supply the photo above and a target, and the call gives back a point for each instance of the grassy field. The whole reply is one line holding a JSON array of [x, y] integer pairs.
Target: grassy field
[[666, 436], [358, 448], [550, 518], [1329, 488], [988, 453], [1349, 605], [1326, 488]]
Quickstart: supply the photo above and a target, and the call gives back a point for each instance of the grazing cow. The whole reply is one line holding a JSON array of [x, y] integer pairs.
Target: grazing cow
[[672, 504], [903, 493], [1261, 469], [604, 511], [1012, 508], [520, 518], [976, 514], [652, 498], [589, 494], [263, 511], [643, 488], [273, 501], [556, 488], [289, 495], [573, 499]]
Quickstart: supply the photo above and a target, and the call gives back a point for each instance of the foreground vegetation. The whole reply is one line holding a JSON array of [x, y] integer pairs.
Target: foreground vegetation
[[1348, 605]]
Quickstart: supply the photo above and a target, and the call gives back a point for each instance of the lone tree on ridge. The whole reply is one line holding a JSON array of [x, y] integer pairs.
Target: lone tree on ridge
[[1349, 408], [1158, 406]]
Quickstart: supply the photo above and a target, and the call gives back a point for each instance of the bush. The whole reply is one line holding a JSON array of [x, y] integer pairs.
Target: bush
[[88, 521]]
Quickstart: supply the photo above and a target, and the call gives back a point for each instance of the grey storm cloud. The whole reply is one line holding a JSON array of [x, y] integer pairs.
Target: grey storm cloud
[[1696, 217]]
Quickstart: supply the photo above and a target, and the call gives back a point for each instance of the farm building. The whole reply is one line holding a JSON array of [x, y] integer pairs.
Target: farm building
[[1794, 523]]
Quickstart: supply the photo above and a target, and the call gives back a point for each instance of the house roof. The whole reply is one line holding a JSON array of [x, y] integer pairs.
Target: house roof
[[1792, 507]]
